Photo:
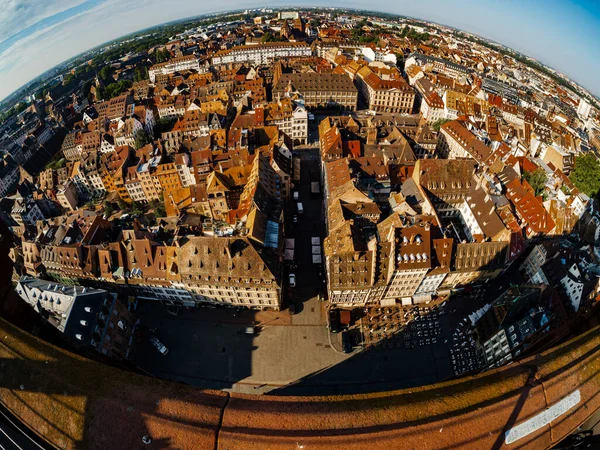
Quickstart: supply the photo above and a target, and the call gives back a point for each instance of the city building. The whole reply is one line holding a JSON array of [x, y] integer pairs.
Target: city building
[[319, 90], [87, 317]]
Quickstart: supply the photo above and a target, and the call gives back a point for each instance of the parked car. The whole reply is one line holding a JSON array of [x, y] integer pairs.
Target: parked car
[[292, 280], [346, 344], [159, 346], [334, 320], [296, 195]]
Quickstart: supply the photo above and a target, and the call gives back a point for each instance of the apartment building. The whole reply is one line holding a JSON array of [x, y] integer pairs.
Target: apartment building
[[411, 249], [319, 90], [86, 316], [289, 116], [262, 53], [67, 196], [9, 174], [456, 141], [432, 105], [180, 64], [390, 96], [446, 183]]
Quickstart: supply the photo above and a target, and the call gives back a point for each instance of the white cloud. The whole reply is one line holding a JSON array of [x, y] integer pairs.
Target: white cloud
[[15, 15], [104, 20]]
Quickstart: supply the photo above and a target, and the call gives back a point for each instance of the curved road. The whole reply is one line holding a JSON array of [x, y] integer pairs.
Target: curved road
[[15, 436]]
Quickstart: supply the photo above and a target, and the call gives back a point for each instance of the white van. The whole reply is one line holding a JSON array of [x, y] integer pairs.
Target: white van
[[300, 208]]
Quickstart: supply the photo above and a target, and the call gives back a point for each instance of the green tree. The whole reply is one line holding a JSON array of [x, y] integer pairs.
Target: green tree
[[122, 205], [137, 209], [141, 139], [435, 126], [114, 89], [586, 175], [159, 206], [269, 37], [108, 209], [106, 73], [68, 78], [140, 73], [163, 125], [537, 180], [161, 56]]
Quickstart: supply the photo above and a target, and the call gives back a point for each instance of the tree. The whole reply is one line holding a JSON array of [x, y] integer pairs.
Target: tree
[[137, 209], [161, 56], [108, 209], [122, 205], [141, 139], [159, 206], [435, 126], [68, 78], [140, 73], [586, 175], [537, 180], [163, 125], [114, 89], [269, 37], [105, 73]]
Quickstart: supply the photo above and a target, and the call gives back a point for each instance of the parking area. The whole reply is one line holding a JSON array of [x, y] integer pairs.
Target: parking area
[[397, 326], [209, 348]]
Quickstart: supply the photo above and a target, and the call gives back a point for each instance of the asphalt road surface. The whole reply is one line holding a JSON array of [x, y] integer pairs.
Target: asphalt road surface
[[15, 436]]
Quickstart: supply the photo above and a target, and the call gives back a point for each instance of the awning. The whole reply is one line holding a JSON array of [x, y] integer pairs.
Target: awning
[[316, 249], [290, 243], [289, 254], [315, 241], [316, 259]]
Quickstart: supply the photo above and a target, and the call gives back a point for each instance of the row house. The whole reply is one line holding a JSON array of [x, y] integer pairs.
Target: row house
[[9, 174], [127, 131], [532, 215], [456, 141], [72, 146], [432, 105], [171, 106], [289, 116], [446, 182]]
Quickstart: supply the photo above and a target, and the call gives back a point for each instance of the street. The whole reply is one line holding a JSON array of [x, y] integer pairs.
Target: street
[[295, 353], [208, 347], [16, 436]]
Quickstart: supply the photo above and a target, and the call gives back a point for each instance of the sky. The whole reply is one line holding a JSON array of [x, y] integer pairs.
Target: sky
[[36, 35]]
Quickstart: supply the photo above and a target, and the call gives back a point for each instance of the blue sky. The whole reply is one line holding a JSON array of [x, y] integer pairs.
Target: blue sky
[[35, 35]]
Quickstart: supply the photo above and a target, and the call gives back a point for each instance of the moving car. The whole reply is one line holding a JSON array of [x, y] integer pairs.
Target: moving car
[[300, 208], [292, 280], [295, 219], [159, 345]]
